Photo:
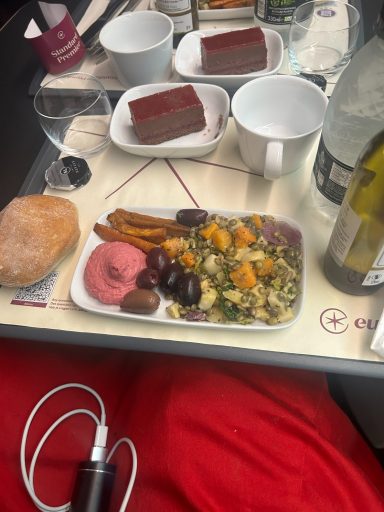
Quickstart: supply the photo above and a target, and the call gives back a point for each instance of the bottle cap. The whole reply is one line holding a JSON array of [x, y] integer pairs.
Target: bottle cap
[[68, 173], [315, 79]]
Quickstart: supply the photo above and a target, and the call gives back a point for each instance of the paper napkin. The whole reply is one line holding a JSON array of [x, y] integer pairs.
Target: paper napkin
[[377, 344]]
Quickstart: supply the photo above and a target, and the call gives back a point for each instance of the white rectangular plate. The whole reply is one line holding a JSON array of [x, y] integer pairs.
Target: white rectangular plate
[[218, 14], [81, 297], [225, 14], [216, 110], [188, 59]]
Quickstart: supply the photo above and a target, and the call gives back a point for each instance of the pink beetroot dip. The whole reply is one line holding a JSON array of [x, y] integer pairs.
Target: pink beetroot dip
[[111, 271]]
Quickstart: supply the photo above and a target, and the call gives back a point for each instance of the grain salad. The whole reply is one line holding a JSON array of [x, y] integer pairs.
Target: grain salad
[[250, 268]]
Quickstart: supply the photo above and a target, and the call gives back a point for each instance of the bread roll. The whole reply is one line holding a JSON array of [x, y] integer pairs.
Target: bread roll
[[36, 232]]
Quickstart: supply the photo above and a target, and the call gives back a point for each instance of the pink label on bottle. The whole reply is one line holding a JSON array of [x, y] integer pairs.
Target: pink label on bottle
[[59, 48]]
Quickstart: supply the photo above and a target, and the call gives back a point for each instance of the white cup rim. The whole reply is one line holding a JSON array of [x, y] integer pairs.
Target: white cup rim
[[121, 19], [281, 78]]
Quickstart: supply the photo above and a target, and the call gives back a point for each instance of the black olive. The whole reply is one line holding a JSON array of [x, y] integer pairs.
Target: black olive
[[158, 258], [148, 278], [191, 216], [170, 275], [140, 301], [188, 289]]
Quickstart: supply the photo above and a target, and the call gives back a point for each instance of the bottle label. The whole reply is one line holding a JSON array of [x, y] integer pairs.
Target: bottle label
[[376, 275], [172, 6], [343, 236], [276, 12], [332, 177], [183, 23], [344, 233]]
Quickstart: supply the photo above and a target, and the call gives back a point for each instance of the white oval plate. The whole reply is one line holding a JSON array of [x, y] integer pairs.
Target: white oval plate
[[188, 59], [81, 297], [218, 14], [225, 14], [216, 109]]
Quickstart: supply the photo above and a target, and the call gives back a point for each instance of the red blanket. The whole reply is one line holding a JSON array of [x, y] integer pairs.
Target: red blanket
[[211, 436]]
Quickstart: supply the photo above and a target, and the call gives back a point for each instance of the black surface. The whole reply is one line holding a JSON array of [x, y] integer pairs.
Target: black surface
[[20, 133]]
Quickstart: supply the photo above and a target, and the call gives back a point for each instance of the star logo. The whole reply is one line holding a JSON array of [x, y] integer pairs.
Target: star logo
[[334, 320]]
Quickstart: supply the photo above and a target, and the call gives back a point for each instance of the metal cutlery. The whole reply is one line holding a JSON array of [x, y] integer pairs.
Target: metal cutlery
[[91, 35], [92, 32]]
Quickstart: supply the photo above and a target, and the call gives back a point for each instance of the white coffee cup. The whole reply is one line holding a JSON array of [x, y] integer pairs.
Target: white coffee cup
[[278, 118], [139, 47]]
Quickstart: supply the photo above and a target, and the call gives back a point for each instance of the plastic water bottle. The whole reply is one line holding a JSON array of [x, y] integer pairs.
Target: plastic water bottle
[[355, 113]]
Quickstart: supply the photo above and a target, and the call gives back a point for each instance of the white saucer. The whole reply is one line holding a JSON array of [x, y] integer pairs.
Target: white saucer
[[216, 108], [188, 59]]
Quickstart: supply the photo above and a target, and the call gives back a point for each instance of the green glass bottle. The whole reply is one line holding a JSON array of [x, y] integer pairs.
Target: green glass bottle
[[354, 261], [183, 13]]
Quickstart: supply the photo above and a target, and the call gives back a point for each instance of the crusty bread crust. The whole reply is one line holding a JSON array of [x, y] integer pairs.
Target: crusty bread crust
[[36, 232]]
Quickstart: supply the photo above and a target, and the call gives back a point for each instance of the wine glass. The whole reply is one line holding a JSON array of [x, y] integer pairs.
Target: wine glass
[[75, 113], [322, 37]]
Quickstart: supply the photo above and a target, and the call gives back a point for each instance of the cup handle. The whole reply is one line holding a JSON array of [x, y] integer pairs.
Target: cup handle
[[273, 160]]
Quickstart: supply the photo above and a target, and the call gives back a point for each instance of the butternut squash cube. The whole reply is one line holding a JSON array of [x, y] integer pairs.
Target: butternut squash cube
[[222, 239], [244, 276]]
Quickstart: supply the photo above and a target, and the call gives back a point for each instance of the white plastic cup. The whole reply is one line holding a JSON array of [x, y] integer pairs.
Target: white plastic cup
[[139, 46], [278, 119]]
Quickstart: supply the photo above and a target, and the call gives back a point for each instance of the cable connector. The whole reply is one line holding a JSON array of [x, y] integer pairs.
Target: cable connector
[[99, 449], [95, 476]]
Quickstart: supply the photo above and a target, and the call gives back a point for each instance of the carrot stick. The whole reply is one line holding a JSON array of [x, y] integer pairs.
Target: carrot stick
[[216, 4], [126, 228], [140, 217], [113, 235], [140, 220], [234, 4]]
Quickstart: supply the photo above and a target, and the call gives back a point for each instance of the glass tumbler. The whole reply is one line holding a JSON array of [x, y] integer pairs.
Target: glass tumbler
[[322, 36], [75, 113]]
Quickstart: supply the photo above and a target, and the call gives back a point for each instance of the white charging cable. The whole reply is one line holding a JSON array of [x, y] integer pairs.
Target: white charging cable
[[98, 450]]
